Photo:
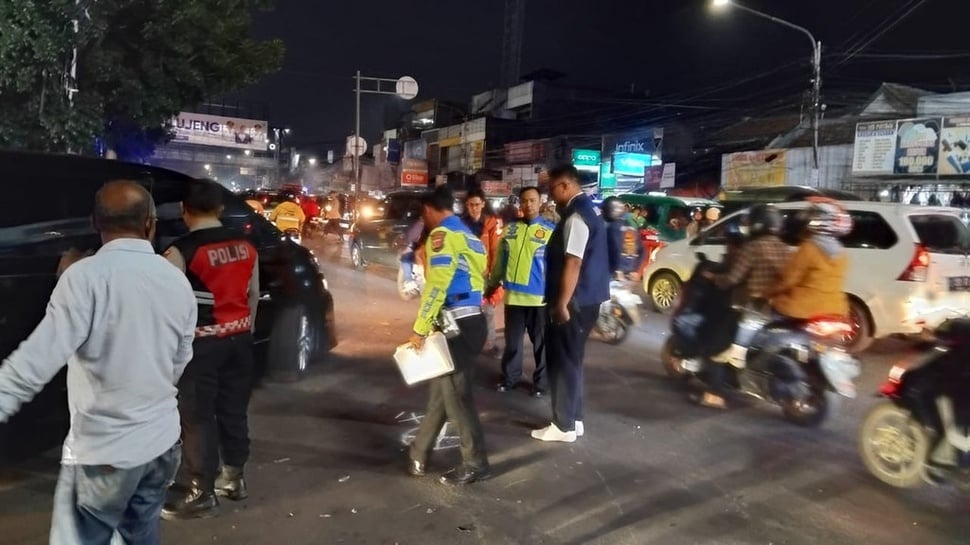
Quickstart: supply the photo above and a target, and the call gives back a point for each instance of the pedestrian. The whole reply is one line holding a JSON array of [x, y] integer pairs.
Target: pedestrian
[[223, 269], [123, 321], [453, 289], [521, 269], [487, 227], [577, 281]]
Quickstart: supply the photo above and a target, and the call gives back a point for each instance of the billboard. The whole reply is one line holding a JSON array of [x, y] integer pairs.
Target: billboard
[[955, 146], [763, 168], [875, 147], [917, 146], [226, 132], [414, 173]]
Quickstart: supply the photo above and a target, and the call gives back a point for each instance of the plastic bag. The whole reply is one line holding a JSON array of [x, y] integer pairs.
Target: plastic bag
[[434, 360]]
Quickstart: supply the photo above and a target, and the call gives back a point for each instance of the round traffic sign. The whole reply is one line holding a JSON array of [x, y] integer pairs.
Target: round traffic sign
[[356, 145], [406, 88]]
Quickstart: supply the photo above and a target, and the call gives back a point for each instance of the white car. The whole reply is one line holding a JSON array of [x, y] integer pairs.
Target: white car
[[909, 267]]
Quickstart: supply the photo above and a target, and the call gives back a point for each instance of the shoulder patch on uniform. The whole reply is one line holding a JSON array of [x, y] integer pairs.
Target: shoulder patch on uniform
[[437, 241], [540, 233]]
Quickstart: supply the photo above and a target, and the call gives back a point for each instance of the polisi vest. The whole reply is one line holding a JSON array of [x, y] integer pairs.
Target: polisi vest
[[219, 265], [594, 276], [524, 255]]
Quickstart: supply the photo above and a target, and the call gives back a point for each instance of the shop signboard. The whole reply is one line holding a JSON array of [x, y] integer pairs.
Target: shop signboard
[[917, 146], [668, 177], [416, 149], [526, 151], [497, 187], [607, 178], [875, 147], [955, 146], [641, 141], [394, 151], [586, 158], [762, 168], [214, 130], [414, 173], [652, 176]]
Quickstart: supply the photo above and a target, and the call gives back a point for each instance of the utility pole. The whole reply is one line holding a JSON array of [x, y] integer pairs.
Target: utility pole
[[512, 37]]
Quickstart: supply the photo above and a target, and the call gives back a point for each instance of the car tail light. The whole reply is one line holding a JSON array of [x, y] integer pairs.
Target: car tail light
[[918, 268]]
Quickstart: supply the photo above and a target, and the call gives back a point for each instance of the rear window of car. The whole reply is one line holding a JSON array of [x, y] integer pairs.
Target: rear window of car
[[941, 233]]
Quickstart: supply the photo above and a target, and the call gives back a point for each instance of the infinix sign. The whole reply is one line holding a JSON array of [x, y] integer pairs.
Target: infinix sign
[[586, 158], [630, 146]]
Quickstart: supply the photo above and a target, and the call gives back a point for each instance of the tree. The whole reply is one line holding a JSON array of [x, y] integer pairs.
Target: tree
[[139, 62]]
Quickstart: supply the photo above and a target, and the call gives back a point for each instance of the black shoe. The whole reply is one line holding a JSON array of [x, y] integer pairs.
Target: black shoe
[[416, 468], [465, 475], [503, 387], [231, 484], [191, 503]]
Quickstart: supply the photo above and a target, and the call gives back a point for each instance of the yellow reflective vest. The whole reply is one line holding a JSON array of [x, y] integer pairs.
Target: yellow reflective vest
[[521, 264]]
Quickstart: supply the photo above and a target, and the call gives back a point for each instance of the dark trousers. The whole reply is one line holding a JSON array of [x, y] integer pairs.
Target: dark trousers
[[565, 350], [213, 403], [451, 400], [518, 321]]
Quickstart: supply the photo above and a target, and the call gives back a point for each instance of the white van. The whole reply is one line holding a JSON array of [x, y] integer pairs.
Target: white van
[[909, 267]]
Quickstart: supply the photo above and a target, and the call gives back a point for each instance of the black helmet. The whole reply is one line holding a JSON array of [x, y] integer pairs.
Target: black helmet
[[763, 219], [250, 195], [697, 210], [288, 196]]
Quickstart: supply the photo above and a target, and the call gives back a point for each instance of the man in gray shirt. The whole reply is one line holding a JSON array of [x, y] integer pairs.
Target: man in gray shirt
[[123, 320]]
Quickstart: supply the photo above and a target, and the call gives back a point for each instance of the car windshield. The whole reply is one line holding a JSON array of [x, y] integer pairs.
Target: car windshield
[[941, 233]]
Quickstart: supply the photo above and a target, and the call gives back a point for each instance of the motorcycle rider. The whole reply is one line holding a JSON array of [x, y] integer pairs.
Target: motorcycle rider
[[812, 283], [697, 222], [311, 210], [288, 215], [757, 266], [623, 240]]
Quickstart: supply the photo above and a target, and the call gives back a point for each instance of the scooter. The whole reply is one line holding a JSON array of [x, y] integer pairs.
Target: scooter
[[920, 432], [619, 314], [792, 365]]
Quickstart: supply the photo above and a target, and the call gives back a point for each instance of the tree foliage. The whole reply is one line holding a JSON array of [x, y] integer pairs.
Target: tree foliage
[[139, 63]]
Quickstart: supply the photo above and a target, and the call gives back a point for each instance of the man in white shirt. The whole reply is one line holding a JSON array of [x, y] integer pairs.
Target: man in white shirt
[[123, 320]]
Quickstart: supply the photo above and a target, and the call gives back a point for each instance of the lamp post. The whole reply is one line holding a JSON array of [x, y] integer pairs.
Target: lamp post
[[404, 87], [816, 72]]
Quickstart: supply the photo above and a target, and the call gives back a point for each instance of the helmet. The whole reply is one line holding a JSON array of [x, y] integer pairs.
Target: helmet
[[763, 219], [697, 210], [288, 196], [250, 195], [828, 217], [613, 208]]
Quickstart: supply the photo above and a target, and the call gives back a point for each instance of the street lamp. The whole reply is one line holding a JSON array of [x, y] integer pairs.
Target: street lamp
[[816, 71], [312, 161]]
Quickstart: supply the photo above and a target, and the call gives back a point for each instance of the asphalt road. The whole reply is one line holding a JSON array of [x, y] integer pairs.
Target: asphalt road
[[327, 463]]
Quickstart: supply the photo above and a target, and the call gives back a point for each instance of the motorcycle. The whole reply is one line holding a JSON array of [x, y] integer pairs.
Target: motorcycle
[[294, 235], [793, 365], [920, 432], [618, 314]]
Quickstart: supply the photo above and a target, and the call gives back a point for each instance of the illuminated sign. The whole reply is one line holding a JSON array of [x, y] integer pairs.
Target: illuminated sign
[[586, 158], [631, 164]]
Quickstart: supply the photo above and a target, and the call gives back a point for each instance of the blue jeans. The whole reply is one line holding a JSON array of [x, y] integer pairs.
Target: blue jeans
[[91, 503]]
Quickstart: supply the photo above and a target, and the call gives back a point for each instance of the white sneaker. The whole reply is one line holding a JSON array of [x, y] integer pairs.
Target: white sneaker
[[553, 433], [580, 430]]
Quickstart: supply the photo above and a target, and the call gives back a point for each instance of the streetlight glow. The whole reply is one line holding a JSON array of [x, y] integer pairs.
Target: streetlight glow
[[313, 161], [721, 3]]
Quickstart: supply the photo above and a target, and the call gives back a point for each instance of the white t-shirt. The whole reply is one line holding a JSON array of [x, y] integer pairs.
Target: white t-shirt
[[576, 233]]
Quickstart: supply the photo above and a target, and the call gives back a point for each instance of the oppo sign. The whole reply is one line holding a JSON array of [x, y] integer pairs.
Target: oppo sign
[[586, 158]]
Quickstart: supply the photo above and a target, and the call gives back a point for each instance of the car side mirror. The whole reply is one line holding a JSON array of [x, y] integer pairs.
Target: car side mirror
[[701, 256]]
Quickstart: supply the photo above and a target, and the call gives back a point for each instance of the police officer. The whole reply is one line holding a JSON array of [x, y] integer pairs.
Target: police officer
[[521, 269], [454, 283], [223, 270], [577, 281]]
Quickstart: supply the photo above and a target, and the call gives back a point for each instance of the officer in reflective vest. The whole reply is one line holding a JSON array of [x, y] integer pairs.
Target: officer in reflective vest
[[521, 269], [223, 269], [454, 282]]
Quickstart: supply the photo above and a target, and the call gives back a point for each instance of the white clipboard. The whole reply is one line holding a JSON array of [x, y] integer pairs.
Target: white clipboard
[[434, 360]]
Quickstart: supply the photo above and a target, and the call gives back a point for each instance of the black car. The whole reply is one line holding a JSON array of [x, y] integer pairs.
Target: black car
[[379, 236], [49, 202]]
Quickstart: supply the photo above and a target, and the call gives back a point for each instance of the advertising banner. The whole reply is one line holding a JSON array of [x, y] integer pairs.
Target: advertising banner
[[588, 158], [875, 147], [526, 151], [652, 177], [631, 164], [414, 173], [416, 149], [668, 179], [497, 188], [227, 132], [763, 168], [917, 146], [955, 146]]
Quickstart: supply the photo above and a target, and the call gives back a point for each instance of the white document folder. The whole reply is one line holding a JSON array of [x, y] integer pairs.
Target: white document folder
[[434, 360]]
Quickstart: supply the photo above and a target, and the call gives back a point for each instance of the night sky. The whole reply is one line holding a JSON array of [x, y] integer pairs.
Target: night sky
[[680, 51]]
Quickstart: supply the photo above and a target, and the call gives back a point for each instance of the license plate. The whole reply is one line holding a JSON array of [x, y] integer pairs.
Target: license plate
[[959, 283]]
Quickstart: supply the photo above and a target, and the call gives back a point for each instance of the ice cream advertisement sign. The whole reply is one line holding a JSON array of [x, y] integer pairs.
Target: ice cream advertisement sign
[[917, 146]]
